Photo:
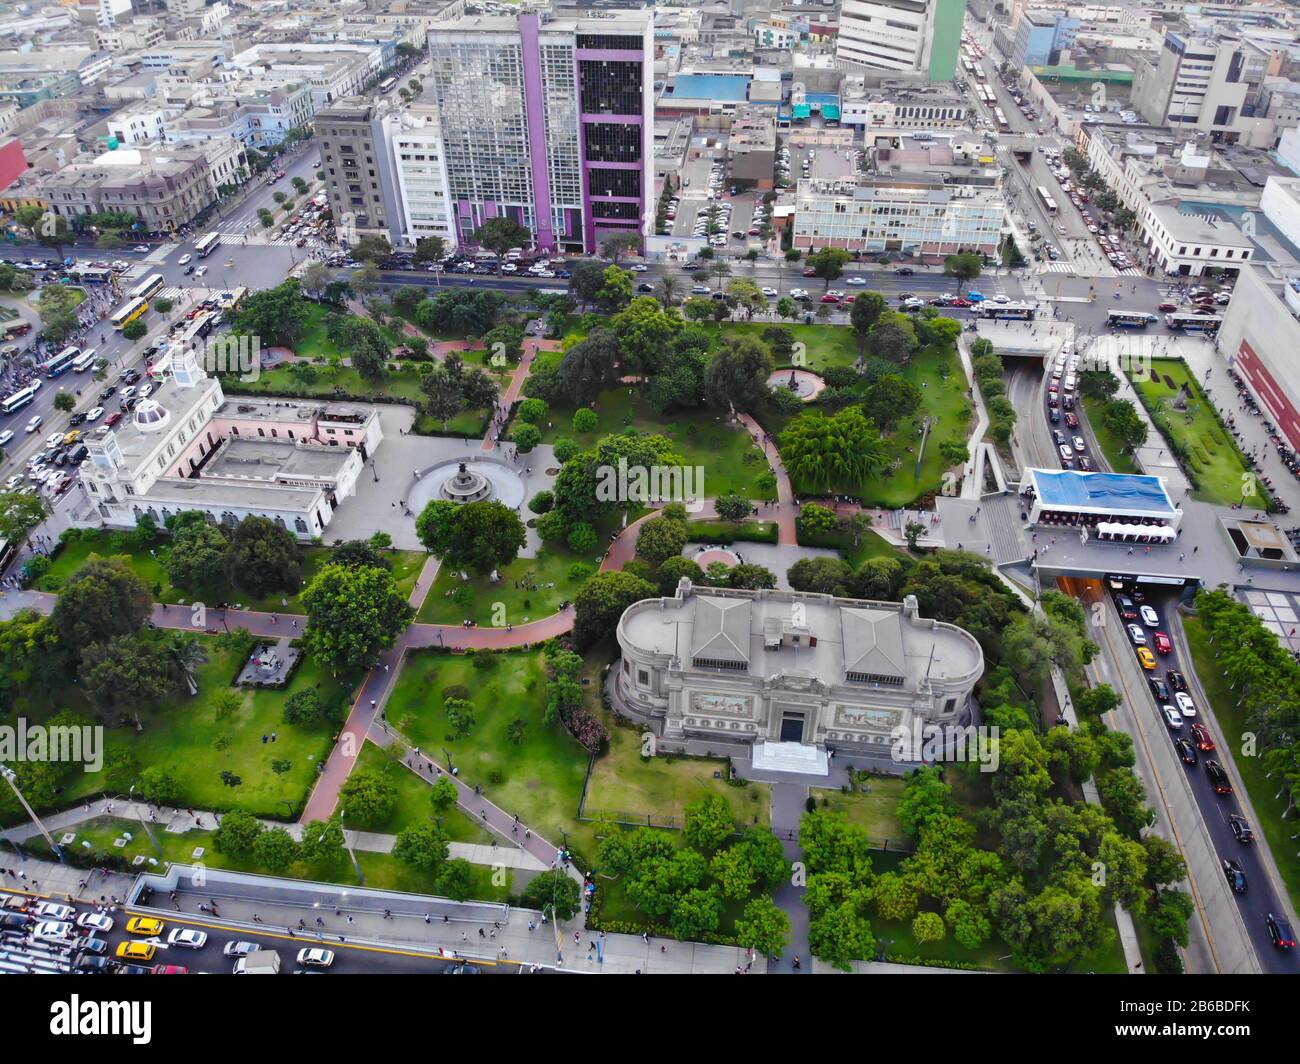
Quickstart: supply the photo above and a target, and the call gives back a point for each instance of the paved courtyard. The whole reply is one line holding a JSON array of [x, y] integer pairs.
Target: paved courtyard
[[1280, 612], [776, 558], [393, 488]]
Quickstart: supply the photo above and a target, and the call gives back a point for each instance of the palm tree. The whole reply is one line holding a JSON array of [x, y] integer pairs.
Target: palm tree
[[670, 288], [720, 268], [188, 653]]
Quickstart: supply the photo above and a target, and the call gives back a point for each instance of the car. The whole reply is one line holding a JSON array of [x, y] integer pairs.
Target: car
[[1145, 658], [95, 921], [52, 931], [701, 290], [1085, 463], [91, 944], [141, 249], [112, 419], [1172, 717], [184, 259], [771, 293], [975, 297], [95, 414], [461, 969], [828, 298], [810, 272], [1279, 931], [107, 393], [1241, 829], [135, 951], [146, 390], [187, 938], [1162, 644], [54, 439], [1066, 453], [1001, 299], [6, 436], [1079, 443], [1176, 680], [904, 271], [90, 964], [1136, 634], [1184, 703], [315, 957], [200, 271], [1072, 420], [51, 910], [645, 286], [1159, 688], [170, 969], [1167, 306], [144, 925], [1233, 873], [1149, 616], [13, 483], [855, 280], [1201, 737], [127, 392], [1186, 751], [959, 302], [1054, 415], [239, 949], [1218, 778]]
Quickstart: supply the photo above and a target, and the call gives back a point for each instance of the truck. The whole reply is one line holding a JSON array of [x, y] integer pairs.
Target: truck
[[259, 962]]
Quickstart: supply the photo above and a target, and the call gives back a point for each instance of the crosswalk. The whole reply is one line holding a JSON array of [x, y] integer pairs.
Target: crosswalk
[[1057, 267], [1129, 271]]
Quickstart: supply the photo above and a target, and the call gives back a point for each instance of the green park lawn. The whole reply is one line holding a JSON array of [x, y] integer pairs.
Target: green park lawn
[[875, 810], [539, 779], [545, 581], [413, 805], [1112, 448], [824, 345], [943, 390], [656, 791], [146, 564], [1265, 794], [184, 735], [1211, 457], [728, 459]]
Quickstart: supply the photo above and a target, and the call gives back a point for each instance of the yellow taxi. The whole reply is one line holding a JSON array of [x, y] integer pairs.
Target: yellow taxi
[[72, 437], [1145, 658], [144, 925], [136, 951]]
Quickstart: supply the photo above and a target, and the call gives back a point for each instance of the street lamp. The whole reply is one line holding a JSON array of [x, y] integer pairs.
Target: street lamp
[[130, 795], [11, 778]]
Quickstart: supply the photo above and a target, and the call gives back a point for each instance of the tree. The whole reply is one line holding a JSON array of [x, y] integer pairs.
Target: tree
[[53, 232], [197, 559], [763, 927], [912, 532], [615, 289], [430, 249], [100, 601], [236, 834], [275, 850], [353, 614], [1098, 384], [443, 794], [501, 234], [892, 338], [660, 539], [829, 263], [751, 577], [356, 553], [645, 333], [367, 798], [422, 845], [555, 893], [31, 658], [305, 708], [64, 401], [263, 557], [57, 308], [20, 512], [443, 395], [132, 330], [587, 278], [708, 823], [600, 602], [736, 377], [322, 843], [374, 249], [668, 289], [589, 367], [840, 936], [822, 451], [479, 536], [367, 348], [1120, 417], [928, 927], [615, 247], [964, 266], [276, 315], [747, 295], [865, 312], [732, 507]]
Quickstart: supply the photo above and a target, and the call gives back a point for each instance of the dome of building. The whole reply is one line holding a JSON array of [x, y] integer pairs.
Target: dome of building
[[149, 416]]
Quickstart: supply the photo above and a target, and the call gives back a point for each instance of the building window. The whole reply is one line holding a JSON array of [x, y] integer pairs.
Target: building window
[[642, 678]]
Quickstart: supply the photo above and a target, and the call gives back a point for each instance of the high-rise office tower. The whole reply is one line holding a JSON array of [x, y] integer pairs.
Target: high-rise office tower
[[919, 37], [548, 122]]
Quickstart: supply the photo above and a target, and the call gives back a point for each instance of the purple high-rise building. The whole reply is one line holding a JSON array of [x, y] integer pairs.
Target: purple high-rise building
[[549, 122]]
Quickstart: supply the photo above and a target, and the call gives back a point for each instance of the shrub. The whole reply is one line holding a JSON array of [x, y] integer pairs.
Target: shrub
[[533, 411], [541, 502], [585, 420]]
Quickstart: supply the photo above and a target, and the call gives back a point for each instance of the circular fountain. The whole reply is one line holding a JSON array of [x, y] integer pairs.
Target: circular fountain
[[802, 383], [466, 481]]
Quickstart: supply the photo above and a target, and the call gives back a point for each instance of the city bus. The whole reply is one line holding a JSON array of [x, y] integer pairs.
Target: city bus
[[83, 361], [90, 275], [1001, 118], [1130, 319], [1044, 197], [387, 84], [7, 553], [207, 245], [1194, 322], [128, 313], [1023, 311], [151, 285], [60, 362], [19, 399]]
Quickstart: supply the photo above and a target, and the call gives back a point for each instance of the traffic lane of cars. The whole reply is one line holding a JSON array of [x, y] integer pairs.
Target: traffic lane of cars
[[1232, 834]]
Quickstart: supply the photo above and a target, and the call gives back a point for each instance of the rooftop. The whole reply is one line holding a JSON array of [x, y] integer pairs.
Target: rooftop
[[261, 459], [1102, 491]]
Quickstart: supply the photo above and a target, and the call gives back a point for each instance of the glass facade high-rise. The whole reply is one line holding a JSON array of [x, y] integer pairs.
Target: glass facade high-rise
[[548, 122]]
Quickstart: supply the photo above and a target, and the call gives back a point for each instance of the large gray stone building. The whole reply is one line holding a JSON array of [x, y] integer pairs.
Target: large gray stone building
[[790, 669]]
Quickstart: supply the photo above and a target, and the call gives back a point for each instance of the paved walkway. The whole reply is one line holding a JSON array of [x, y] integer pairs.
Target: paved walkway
[[788, 806], [786, 509], [501, 415]]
